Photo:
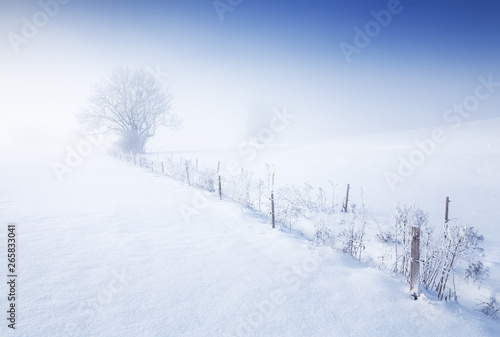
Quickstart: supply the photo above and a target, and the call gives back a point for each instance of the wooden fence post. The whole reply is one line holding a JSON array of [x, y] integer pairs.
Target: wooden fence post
[[415, 261], [346, 200], [152, 167], [134, 160], [220, 181], [220, 189], [446, 210], [273, 218], [187, 174], [272, 210], [140, 161], [162, 168], [333, 195]]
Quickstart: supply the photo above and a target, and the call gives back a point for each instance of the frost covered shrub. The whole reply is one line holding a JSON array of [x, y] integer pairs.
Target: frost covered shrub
[[489, 307], [297, 197], [320, 203], [176, 169], [351, 240], [295, 202], [143, 161], [456, 243], [205, 179], [303, 199], [351, 237], [405, 217], [440, 252], [384, 236], [239, 188], [286, 214], [476, 272], [323, 236]]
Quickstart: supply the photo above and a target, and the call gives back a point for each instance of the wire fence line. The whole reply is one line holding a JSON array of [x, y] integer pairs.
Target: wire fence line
[[311, 213]]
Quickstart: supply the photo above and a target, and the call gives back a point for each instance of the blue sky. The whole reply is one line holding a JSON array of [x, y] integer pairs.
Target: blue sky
[[228, 75]]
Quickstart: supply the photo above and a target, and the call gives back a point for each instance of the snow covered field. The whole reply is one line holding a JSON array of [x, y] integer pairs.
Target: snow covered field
[[108, 253], [464, 166]]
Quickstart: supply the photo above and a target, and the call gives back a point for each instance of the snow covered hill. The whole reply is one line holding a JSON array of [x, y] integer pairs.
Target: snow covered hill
[[108, 252], [405, 167]]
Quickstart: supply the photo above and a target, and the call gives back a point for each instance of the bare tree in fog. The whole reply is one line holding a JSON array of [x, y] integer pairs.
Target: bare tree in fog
[[131, 104]]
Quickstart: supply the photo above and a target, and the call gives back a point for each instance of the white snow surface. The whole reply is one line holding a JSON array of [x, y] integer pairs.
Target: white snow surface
[[108, 252]]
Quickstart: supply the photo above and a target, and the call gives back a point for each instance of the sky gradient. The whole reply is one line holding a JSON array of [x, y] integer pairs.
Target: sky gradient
[[229, 68]]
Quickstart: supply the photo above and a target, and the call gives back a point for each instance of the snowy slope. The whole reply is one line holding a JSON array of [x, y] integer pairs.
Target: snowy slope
[[109, 253], [464, 166]]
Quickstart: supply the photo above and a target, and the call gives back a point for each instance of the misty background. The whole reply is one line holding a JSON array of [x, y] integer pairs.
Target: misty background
[[228, 75]]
